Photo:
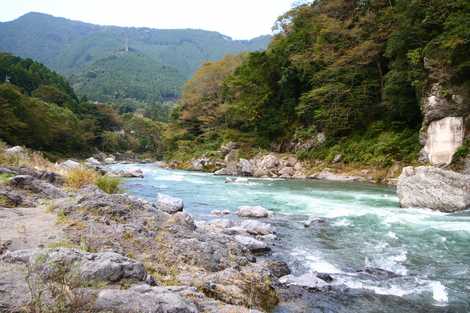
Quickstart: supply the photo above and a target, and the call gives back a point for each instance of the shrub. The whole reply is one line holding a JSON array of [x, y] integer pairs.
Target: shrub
[[108, 184], [80, 177]]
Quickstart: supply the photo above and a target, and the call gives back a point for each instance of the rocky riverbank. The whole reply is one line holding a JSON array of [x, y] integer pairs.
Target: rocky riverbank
[[286, 166], [86, 249]]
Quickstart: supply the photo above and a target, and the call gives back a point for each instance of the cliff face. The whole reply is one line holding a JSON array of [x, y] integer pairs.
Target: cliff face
[[446, 118]]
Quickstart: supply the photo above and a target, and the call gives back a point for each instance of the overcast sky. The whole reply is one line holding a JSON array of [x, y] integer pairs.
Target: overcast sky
[[240, 19]]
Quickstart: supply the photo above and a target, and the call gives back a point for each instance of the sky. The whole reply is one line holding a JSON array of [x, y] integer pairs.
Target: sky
[[240, 19]]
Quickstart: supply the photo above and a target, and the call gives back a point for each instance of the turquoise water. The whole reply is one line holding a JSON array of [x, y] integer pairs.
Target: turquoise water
[[363, 227]]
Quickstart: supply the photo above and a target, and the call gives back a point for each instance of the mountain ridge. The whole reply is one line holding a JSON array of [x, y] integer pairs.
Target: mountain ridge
[[72, 47]]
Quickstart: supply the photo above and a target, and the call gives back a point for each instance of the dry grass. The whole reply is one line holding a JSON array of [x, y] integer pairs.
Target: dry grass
[[109, 184], [80, 177], [31, 159]]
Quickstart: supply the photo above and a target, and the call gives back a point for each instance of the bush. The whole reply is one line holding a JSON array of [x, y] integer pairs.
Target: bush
[[109, 184], [80, 177]]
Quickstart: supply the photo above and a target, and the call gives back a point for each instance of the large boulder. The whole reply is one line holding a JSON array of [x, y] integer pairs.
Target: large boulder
[[90, 267], [252, 211], [169, 204], [142, 298], [30, 183], [434, 188], [269, 161]]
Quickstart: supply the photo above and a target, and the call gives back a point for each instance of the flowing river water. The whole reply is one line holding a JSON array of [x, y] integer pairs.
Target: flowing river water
[[426, 254]]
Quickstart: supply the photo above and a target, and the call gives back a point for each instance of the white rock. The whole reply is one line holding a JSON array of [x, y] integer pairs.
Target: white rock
[[169, 204], [69, 164], [14, 150], [327, 175], [130, 173], [110, 160], [269, 161], [257, 228], [434, 188], [443, 139], [252, 244], [252, 211], [287, 172], [92, 162]]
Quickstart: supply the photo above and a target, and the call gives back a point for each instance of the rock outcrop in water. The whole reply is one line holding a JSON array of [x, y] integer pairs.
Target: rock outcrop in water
[[434, 188]]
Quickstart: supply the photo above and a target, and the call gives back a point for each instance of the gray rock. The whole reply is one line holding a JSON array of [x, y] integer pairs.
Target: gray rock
[[257, 228], [110, 160], [142, 299], [92, 162], [434, 188], [254, 245], [245, 167], [309, 280], [30, 183], [287, 172], [252, 211], [269, 161], [327, 175], [96, 267], [169, 204], [69, 165], [130, 173], [259, 172]]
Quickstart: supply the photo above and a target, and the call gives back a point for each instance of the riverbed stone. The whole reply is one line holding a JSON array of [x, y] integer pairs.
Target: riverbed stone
[[143, 298], [70, 165], [257, 228], [30, 183], [434, 188], [92, 162], [252, 211], [169, 204], [90, 267], [254, 245]]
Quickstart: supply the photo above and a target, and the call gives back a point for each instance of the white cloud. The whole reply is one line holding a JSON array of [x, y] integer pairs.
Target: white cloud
[[241, 19]]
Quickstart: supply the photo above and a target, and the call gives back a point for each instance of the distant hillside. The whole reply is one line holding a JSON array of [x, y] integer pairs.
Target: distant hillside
[[79, 49]]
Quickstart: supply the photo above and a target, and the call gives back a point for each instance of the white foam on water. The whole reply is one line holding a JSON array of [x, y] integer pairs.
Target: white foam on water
[[169, 178], [388, 259], [315, 262], [392, 235], [439, 292], [342, 223]]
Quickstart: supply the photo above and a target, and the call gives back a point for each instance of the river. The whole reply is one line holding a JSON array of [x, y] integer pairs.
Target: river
[[426, 254]]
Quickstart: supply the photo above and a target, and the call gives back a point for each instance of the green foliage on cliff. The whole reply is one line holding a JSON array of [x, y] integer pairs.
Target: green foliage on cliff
[[352, 70]]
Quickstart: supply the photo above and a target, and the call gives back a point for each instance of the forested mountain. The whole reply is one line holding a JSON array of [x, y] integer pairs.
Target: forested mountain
[[91, 52], [341, 77], [40, 110]]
